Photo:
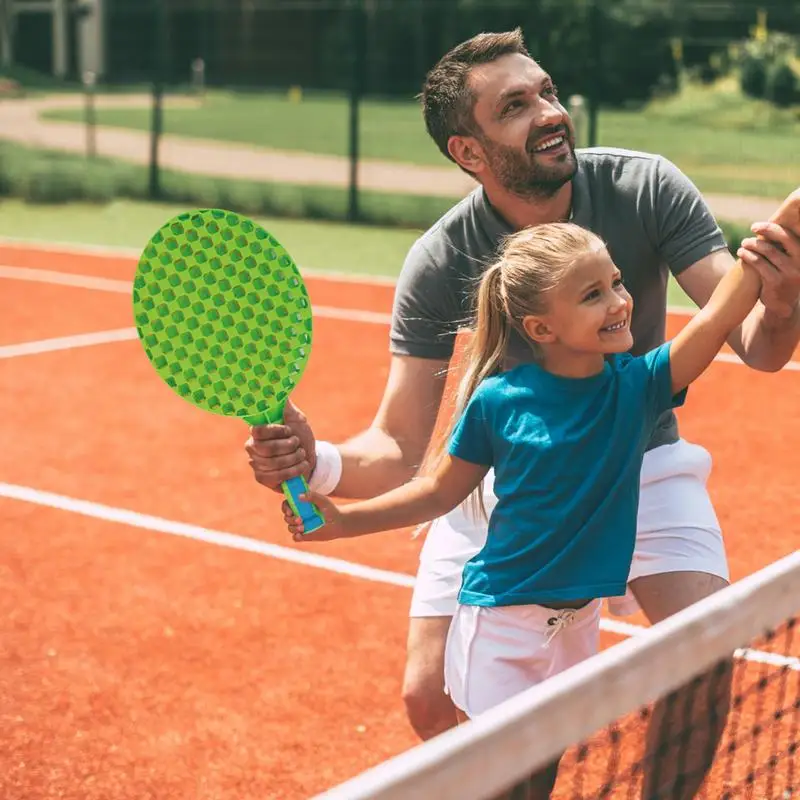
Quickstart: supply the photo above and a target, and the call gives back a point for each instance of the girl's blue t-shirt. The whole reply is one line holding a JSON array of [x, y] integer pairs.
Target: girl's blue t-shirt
[[567, 453]]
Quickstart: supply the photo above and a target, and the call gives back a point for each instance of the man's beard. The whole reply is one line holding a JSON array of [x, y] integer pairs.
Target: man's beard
[[524, 175]]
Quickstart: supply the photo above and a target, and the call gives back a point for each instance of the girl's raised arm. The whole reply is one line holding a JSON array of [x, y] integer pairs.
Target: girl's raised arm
[[694, 348]]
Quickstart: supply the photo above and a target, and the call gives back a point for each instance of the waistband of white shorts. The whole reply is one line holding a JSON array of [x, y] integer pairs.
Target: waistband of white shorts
[[536, 615]]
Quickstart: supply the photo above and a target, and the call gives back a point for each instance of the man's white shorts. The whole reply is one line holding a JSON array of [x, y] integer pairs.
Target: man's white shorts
[[493, 654], [677, 531]]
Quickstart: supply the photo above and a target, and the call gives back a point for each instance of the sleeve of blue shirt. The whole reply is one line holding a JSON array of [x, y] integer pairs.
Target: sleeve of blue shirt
[[660, 395], [470, 439]]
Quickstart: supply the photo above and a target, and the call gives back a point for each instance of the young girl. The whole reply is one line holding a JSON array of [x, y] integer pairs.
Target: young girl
[[565, 435]]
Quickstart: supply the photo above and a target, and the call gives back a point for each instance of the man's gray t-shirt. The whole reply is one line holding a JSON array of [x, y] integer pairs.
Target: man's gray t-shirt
[[650, 215]]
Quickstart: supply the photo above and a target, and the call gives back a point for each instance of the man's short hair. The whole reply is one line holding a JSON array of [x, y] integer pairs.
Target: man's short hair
[[447, 101]]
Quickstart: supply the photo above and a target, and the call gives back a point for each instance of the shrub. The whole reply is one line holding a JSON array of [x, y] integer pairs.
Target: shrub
[[734, 232], [753, 76], [46, 177], [781, 85]]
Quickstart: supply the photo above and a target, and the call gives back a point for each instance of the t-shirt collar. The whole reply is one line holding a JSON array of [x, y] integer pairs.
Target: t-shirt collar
[[496, 227]]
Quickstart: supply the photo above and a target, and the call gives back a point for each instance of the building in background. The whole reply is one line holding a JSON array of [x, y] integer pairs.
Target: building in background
[[64, 38]]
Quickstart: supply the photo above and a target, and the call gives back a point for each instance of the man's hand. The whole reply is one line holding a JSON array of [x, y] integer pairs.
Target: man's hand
[[775, 253], [280, 452]]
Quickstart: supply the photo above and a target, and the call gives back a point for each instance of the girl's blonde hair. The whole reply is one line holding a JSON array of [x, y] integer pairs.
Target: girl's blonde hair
[[531, 263]]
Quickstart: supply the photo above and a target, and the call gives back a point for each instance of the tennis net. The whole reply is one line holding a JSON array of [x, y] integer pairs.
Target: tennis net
[[717, 684]]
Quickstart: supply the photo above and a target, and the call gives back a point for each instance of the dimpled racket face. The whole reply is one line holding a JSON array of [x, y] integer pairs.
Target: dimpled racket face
[[223, 314], [224, 317]]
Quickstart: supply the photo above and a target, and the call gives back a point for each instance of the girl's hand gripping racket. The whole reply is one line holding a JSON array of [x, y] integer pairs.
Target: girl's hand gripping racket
[[224, 316]]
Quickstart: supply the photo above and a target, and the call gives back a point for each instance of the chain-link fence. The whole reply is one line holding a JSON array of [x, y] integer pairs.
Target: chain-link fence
[[321, 93]]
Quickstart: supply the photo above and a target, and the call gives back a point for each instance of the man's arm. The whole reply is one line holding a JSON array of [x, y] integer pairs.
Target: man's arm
[[385, 455], [765, 340], [425, 315], [390, 451], [691, 242]]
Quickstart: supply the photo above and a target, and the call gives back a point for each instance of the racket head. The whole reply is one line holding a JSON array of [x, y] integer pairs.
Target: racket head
[[223, 314]]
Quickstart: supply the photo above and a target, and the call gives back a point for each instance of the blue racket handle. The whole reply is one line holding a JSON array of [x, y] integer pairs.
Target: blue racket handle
[[292, 489]]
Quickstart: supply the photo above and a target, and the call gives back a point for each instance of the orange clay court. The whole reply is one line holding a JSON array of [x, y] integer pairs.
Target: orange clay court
[[162, 636]]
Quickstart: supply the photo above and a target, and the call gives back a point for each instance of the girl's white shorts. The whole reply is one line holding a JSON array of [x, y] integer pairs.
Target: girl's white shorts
[[493, 654]]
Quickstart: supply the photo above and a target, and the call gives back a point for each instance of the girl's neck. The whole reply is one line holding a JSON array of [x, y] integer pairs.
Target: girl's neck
[[567, 363]]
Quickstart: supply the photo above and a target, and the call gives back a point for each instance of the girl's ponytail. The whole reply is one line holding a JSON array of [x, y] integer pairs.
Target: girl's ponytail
[[484, 355]]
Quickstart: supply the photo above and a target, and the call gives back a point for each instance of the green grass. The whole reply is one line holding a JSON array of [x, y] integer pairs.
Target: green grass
[[315, 245], [41, 176], [725, 142], [319, 124], [321, 246]]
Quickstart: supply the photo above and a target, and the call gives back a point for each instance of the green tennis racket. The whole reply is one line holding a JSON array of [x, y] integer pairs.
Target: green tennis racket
[[224, 317]]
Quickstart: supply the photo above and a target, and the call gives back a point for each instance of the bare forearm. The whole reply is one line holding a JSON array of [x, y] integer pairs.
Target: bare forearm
[[698, 343], [769, 341], [411, 504], [373, 462], [390, 451], [728, 307], [732, 300]]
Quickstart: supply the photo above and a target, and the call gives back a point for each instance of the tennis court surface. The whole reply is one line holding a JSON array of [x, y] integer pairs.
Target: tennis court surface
[[164, 638]]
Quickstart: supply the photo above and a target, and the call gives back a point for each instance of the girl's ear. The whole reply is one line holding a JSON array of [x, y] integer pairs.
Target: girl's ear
[[538, 330]]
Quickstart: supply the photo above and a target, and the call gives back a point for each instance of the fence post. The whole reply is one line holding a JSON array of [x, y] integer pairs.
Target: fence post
[[199, 77], [7, 25], [576, 107], [159, 76], [89, 81], [596, 68], [358, 30]]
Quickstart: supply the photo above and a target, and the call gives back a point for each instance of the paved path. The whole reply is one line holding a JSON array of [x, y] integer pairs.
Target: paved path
[[20, 122]]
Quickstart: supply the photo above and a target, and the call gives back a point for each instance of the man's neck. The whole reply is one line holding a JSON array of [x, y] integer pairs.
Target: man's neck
[[520, 212]]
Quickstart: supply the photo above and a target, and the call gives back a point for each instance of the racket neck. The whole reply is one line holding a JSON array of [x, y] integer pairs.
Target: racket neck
[[274, 417]]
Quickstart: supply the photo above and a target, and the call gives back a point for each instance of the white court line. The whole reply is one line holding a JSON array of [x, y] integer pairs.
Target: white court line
[[682, 311], [220, 538], [71, 248], [66, 342], [116, 285], [128, 334], [67, 248], [353, 315], [64, 279], [234, 541], [329, 312], [124, 287]]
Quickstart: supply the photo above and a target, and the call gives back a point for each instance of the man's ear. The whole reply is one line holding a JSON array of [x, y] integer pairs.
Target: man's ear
[[538, 330], [467, 152]]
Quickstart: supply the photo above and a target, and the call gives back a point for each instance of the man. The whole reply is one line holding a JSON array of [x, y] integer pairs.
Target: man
[[493, 111]]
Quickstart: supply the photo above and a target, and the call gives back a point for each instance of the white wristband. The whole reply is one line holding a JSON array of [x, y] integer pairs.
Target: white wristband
[[328, 470]]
